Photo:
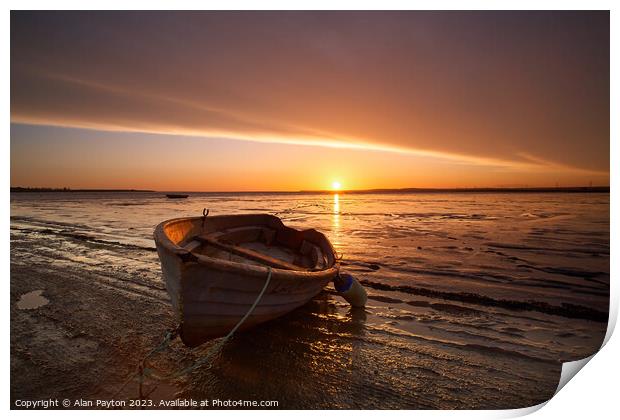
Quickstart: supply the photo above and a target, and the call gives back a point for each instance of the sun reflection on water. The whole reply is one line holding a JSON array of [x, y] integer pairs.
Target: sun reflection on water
[[336, 221], [336, 217]]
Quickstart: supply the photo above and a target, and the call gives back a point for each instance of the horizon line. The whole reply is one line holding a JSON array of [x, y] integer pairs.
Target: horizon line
[[590, 188]]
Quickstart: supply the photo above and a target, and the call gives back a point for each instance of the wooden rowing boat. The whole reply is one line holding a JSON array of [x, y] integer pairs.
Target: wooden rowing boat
[[215, 267]]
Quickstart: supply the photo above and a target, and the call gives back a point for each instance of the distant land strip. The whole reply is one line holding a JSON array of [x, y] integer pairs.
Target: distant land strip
[[469, 190], [370, 191], [37, 189]]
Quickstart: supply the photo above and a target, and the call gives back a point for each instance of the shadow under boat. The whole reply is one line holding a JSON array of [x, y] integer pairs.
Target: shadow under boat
[[293, 359]]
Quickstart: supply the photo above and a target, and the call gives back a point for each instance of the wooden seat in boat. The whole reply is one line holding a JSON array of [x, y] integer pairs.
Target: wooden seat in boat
[[248, 253], [229, 240]]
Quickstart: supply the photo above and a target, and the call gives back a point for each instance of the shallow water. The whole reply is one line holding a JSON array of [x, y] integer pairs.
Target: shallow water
[[32, 300], [469, 294]]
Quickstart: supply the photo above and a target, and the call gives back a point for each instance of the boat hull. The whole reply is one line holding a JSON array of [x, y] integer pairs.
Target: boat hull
[[211, 295]]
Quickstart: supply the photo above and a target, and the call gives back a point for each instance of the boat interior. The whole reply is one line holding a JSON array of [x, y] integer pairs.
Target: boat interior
[[278, 247]]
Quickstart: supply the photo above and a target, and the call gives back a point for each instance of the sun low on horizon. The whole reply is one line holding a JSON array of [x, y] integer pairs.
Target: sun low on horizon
[[330, 99]]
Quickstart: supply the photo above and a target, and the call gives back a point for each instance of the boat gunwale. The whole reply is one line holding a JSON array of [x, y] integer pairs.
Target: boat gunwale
[[254, 270]]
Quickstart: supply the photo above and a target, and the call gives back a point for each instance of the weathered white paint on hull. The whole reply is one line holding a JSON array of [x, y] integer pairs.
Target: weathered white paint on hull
[[210, 295]]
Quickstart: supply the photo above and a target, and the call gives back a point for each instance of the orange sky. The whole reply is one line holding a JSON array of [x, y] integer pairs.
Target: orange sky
[[289, 101]]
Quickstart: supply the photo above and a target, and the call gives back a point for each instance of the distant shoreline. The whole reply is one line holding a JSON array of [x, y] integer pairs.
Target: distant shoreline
[[469, 190], [369, 191], [29, 189]]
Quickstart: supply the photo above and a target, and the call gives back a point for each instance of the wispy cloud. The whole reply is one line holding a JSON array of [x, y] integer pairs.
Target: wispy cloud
[[445, 86]]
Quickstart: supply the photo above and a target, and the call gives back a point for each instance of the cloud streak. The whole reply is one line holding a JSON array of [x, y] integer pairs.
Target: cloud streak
[[455, 86]]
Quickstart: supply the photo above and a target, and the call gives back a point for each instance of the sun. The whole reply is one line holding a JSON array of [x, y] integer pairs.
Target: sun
[[336, 185]]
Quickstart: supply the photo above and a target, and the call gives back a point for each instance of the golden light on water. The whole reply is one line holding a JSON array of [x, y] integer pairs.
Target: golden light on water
[[336, 221]]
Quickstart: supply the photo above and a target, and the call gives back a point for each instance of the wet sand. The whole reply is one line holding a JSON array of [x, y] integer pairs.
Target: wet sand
[[445, 326], [93, 332]]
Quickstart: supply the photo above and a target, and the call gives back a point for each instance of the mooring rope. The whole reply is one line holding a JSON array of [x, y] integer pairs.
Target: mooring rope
[[223, 341], [172, 334]]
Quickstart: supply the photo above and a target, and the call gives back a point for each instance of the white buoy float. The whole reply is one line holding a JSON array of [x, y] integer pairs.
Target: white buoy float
[[349, 288]]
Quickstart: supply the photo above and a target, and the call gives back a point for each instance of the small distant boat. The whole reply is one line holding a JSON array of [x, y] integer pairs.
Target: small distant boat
[[215, 267], [177, 195]]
